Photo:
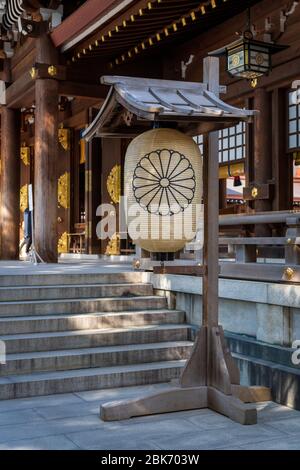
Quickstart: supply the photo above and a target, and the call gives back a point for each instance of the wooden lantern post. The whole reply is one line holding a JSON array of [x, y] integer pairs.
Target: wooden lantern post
[[210, 378]]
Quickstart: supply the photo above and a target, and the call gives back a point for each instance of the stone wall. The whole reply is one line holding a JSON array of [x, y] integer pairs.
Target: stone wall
[[266, 311]]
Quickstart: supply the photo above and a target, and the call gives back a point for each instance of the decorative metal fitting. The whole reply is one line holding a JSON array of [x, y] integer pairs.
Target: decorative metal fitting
[[24, 198], [114, 184], [63, 243], [64, 138], [254, 192], [33, 72], [289, 273], [136, 264], [64, 191], [25, 154], [52, 71]]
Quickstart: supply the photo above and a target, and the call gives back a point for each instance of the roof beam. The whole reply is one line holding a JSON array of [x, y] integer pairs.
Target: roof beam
[[82, 90], [21, 92]]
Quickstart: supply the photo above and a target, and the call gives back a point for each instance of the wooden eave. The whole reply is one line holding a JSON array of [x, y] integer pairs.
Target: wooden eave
[[125, 33], [85, 19]]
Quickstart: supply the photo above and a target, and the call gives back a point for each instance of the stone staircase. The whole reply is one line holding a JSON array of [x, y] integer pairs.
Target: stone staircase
[[73, 332]]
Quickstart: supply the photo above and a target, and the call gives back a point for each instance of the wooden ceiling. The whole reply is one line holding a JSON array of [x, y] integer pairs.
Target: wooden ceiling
[[150, 25]]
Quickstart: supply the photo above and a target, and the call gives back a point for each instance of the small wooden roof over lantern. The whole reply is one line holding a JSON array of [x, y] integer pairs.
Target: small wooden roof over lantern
[[134, 104]]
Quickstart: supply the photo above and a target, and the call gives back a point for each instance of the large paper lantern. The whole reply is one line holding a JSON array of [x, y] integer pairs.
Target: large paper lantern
[[163, 186]]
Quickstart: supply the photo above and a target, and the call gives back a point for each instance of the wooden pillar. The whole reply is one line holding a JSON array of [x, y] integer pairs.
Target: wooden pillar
[[262, 152], [282, 163], [10, 183], [262, 144], [93, 184], [249, 161], [111, 156], [222, 194], [211, 210], [46, 155]]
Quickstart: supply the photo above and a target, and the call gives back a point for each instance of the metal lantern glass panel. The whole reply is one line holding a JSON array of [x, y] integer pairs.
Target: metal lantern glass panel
[[249, 59]]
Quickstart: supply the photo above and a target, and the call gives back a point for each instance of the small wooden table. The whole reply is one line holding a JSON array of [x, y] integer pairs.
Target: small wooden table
[[79, 239]]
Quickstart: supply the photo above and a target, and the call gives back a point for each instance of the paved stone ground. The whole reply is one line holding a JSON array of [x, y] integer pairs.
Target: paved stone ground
[[71, 421], [64, 267]]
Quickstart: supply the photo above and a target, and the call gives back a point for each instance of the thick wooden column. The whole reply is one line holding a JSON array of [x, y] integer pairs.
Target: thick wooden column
[[45, 174], [262, 152], [93, 183], [211, 210], [249, 161], [222, 194], [46, 155], [10, 183], [262, 144], [282, 163], [111, 156]]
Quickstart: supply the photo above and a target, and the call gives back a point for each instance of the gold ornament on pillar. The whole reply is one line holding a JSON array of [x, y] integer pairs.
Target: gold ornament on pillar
[[24, 198], [25, 154], [113, 247], [33, 73], [163, 180], [82, 151], [114, 184], [63, 190], [63, 244], [64, 138]]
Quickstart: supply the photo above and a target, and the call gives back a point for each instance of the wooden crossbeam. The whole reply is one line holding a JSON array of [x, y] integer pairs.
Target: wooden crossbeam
[[82, 90], [21, 93]]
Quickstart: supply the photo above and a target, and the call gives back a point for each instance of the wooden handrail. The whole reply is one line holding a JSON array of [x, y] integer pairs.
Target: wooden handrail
[[258, 218]]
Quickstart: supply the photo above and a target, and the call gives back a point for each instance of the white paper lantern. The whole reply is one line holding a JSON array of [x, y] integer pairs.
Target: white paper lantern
[[163, 186]]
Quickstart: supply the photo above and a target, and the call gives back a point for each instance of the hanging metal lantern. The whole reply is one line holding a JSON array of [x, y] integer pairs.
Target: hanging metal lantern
[[248, 58], [163, 186]]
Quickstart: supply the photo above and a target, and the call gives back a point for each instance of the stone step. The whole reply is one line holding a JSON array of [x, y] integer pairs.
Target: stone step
[[94, 338], [106, 356], [71, 291], [48, 383], [59, 323], [61, 278], [71, 306]]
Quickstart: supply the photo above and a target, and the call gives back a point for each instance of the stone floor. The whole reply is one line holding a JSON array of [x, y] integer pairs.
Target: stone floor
[[72, 421], [65, 267]]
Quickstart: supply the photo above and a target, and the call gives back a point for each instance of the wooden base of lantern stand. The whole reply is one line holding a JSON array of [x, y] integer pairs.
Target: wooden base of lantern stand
[[210, 378], [206, 382]]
